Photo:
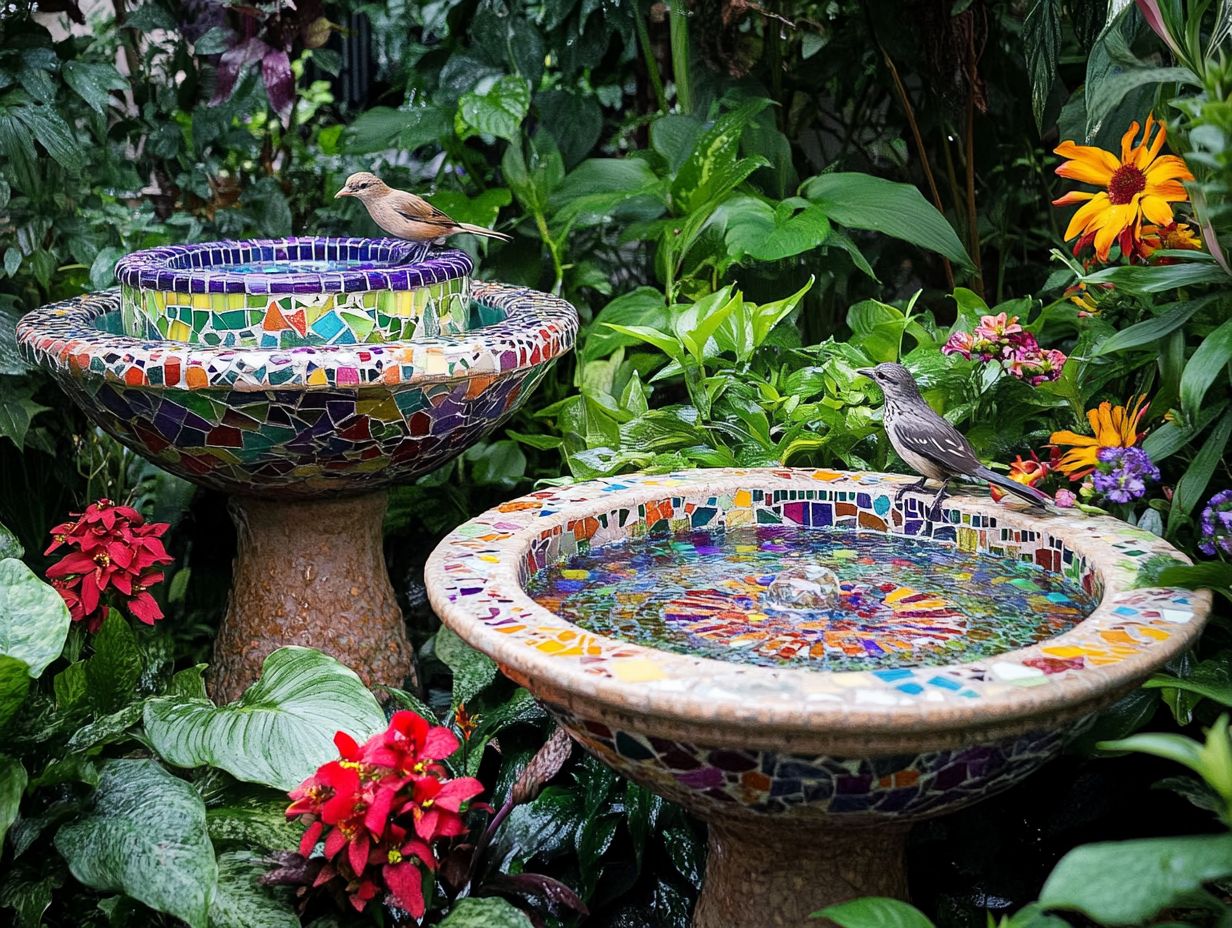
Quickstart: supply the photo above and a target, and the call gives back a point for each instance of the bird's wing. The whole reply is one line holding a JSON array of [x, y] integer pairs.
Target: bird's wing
[[938, 441], [417, 209]]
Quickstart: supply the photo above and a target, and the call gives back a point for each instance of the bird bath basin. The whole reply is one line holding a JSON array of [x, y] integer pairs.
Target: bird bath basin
[[809, 731], [304, 438]]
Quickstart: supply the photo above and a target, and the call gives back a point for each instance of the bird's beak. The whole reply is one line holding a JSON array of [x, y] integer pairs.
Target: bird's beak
[[866, 371], [344, 192]]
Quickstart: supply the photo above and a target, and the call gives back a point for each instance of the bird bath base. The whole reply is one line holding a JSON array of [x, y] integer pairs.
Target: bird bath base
[[310, 573], [768, 873]]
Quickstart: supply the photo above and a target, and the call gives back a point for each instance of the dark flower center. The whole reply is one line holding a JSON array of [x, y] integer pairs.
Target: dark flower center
[[1126, 181]]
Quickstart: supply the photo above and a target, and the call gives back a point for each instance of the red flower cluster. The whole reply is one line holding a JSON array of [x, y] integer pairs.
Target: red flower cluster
[[112, 550], [380, 807]]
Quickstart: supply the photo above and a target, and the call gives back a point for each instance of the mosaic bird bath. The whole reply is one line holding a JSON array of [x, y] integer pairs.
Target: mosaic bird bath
[[686, 631], [302, 376]]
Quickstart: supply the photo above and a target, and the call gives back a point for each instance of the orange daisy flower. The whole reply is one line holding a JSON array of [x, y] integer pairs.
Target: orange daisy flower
[[1177, 236], [1139, 185], [1114, 427]]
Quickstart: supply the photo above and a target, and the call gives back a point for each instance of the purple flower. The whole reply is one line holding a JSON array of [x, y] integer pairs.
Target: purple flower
[[1124, 473], [1065, 498], [1217, 525]]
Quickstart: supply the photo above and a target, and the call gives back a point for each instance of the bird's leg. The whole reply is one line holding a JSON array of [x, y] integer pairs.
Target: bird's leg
[[934, 511], [910, 488]]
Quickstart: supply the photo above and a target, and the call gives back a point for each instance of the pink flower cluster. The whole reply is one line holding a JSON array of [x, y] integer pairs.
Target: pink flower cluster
[[1001, 339]]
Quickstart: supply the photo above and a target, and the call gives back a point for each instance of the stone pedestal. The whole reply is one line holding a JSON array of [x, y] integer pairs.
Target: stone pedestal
[[773, 874], [310, 573]]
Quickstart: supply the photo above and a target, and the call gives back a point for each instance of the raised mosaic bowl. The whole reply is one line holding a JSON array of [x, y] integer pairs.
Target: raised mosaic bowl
[[305, 439], [285, 293], [301, 422], [786, 759]]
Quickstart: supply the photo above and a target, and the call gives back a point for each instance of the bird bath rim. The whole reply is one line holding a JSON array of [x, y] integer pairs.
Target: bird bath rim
[[385, 264], [476, 582], [65, 338]]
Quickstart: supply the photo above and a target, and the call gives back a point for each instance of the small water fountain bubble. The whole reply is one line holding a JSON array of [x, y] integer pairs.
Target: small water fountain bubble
[[806, 587]]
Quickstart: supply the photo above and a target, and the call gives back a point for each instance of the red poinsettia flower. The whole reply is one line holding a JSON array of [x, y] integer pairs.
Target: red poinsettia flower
[[382, 808], [112, 559]]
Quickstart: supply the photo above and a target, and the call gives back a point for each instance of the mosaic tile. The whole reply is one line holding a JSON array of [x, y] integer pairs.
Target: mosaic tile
[[302, 421], [283, 293]]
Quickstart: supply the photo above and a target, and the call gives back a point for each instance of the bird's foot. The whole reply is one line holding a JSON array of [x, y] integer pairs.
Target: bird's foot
[[934, 510], [918, 486]]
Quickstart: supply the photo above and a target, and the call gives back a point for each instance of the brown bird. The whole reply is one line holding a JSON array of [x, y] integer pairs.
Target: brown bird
[[404, 215]]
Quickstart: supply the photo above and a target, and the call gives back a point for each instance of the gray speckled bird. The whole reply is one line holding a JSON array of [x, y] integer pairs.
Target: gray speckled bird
[[931, 446], [404, 215]]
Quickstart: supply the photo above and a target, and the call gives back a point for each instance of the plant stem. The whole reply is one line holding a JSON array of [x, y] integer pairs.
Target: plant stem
[[680, 55], [652, 64], [973, 229]]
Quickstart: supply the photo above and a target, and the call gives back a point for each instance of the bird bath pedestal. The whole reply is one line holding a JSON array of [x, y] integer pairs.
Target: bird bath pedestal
[[964, 653], [302, 377]]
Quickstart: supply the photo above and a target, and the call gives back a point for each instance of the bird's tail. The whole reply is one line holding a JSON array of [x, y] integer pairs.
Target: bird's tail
[[1021, 490], [486, 233]]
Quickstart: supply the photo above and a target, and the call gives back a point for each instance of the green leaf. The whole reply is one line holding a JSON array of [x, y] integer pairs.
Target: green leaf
[[14, 685], [382, 128], [1151, 330], [704, 173], [498, 110], [12, 786], [755, 229], [673, 136], [53, 133], [241, 902], [106, 729], [1193, 482], [33, 618], [1160, 278], [93, 81], [643, 306], [1210, 575], [668, 344], [485, 912], [861, 201], [1129, 882], [279, 731], [1206, 364], [496, 463], [112, 673], [9, 545], [1041, 34], [875, 912], [253, 820], [603, 189], [1222, 694], [145, 837], [472, 670]]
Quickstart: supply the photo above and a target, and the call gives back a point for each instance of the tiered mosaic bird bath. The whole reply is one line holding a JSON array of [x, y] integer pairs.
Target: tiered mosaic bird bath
[[804, 663], [302, 376]]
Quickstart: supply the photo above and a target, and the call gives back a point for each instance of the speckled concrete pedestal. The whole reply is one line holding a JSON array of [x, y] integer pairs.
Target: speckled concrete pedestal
[[310, 573], [762, 873]]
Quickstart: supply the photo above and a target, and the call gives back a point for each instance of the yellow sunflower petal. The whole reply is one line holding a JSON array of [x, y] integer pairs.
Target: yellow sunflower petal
[[1074, 196], [1086, 163], [1149, 149], [1066, 437], [1127, 142], [1157, 210], [1085, 214]]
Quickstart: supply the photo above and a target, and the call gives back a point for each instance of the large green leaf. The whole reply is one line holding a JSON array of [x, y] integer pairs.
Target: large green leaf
[[711, 163], [112, 673], [253, 820], [485, 912], [472, 670], [145, 837], [1151, 330], [14, 685], [93, 81], [279, 731], [33, 618], [12, 785], [875, 912], [755, 229], [1208, 362], [499, 109], [1193, 482], [382, 128], [1041, 34], [241, 902], [861, 201], [1129, 882]]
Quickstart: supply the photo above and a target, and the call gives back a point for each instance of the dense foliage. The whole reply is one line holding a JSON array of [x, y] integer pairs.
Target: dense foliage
[[747, 203]]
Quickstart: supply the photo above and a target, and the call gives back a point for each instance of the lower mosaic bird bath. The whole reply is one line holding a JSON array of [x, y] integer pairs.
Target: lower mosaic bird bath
[[686, 630], [303, 431]]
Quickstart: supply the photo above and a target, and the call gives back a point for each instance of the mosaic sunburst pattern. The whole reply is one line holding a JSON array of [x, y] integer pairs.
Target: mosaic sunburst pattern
[[308, 421], [283, 293], [902, 602]]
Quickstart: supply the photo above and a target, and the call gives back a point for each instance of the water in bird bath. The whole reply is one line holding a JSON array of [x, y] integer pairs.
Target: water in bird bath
[[762, 596]]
